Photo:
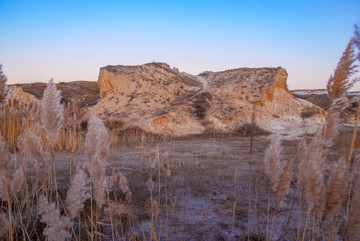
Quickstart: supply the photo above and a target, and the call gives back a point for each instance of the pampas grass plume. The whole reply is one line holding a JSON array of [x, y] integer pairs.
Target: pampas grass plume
[[97, 141], [18, 180], [117, 209], [78, 193], [336, 188], [284, 184], [272, 163], [4, 155], [33, 147], [125, 187], [56, 229], [51, 115]]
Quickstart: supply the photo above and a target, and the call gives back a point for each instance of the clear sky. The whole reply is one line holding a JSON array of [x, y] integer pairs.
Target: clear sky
[[71, 40]]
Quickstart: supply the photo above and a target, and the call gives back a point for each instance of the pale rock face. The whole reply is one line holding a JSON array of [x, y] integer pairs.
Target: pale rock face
[[19, 94], [162, 100]]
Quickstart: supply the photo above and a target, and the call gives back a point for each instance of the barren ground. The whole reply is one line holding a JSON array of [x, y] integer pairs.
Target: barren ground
[[201, 188]]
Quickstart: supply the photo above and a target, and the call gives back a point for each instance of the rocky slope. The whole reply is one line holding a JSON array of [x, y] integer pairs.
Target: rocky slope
[[85, 92], [321, 99], [160, 99]]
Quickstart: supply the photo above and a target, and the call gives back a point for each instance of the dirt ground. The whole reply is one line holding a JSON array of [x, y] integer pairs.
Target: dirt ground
[[201, 188], [208, 175]]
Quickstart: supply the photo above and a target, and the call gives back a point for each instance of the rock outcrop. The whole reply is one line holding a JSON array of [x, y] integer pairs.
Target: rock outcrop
[[321, 99], [86, 93], [161, 100], [18, 94]]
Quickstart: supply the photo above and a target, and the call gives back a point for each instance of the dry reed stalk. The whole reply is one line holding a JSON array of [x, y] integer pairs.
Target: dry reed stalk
[[77, 194], [159, 176], [250, 167], [9, 204], [150, 184], [110, 214], [167, 174], [306, 222], [4, 225], [352, 231], [235, 196], [351, 152], [56, 228]]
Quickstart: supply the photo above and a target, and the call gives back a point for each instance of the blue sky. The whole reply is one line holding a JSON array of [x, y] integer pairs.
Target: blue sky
[[71, 40]]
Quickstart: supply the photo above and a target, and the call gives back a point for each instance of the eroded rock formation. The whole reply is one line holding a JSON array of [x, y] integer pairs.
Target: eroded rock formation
[[162, 100]]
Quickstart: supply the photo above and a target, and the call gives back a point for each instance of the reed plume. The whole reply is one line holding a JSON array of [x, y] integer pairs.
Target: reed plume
[[336, 188], [119, 179], [272, 163], [56, 225], [4, 155], [97, 144], [78, 193], [338, 85], [3, 86], [98, 180], [356, 40], [97, 141], [18, 180], [117, 209], [51, 114], [284, 184], [311, 175], [4, 169], [32, 146]]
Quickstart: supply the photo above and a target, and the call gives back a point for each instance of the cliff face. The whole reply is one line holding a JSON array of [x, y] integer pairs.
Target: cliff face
[[162, 100]]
